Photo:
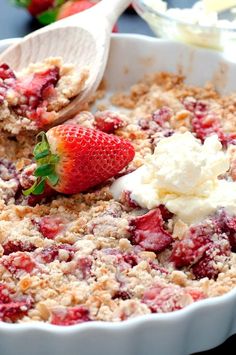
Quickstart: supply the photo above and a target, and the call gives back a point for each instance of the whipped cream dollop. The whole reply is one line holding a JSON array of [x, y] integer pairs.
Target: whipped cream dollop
[[183, 174]]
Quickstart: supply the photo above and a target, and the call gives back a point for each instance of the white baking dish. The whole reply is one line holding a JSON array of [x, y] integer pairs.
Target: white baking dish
[[198, 327]]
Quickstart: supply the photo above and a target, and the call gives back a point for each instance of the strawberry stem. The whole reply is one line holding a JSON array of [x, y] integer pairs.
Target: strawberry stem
[[46, 166]]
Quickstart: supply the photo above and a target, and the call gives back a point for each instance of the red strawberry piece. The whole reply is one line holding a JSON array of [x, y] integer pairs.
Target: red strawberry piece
[[13, 311], [127, 200], [19, 261], [72, 159], [84, 264], [147, 231], [227, 224], [70, 316], [35, 7], [166, 214], [196, 294], [33, 85], [49, 254], [204, 248], [126, 261], [50, 226], [32, 89], [162, 115], [204, 122], [73, 7], [12, 246], [207, 266], [6, 72], [190, 103], [156, 266], [205, 125], [162, 299], [108, 121], [7, 79], [32, 92], [192, 247], [5, 294]]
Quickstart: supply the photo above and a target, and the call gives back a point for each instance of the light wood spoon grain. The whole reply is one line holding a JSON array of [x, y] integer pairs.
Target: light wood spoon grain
[[82, 40]]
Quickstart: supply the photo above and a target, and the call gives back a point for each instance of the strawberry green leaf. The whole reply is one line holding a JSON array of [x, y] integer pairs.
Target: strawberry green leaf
[[41, 155], [30, 190], [39, 189], [48, 16], [36, 189], [24, 3], [46, 166], [42, 149], [44, 170], [53, 178], [60, 2]]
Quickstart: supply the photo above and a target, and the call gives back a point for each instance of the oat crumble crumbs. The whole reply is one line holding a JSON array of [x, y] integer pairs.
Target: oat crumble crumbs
[[66, 260]]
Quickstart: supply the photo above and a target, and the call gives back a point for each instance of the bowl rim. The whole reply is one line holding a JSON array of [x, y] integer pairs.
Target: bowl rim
[[141, 4], [163, 318]]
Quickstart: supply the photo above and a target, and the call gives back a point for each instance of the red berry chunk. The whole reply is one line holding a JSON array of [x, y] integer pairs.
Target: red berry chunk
[[6, 72], [127, 200], [13, 311], [227, 224], [192, 247], [108, 121], [19, 261], [162, 116], [12, 308], [196, 294], [50, 226], [12, 246], [205, 122], [36, 7], [32, 90], [5, 294], [147, 231], [84, 265], [48, 255], [204, 248], [207, 265], [167, 298], [70, 316]]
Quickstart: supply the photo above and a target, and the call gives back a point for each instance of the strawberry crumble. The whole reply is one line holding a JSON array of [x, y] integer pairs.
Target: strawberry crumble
[[68, 258]]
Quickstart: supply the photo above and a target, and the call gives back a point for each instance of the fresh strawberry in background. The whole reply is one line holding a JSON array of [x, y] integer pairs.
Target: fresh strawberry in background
[[48, 11], [71, 159], [36, 7], [74, 7]]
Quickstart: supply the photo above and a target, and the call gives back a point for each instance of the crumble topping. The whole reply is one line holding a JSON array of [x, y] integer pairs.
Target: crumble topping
[[72, 259]]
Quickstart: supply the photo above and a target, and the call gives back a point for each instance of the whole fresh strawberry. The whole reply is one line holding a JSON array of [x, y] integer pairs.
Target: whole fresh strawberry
[[48, 11], [36, 7], [71, 159], [74, 7]]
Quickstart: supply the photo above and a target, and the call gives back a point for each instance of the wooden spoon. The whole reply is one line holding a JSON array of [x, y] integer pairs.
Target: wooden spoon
[[82, 40]]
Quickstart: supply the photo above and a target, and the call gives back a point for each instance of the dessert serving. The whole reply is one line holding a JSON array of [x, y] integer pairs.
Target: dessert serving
[[115, 213]]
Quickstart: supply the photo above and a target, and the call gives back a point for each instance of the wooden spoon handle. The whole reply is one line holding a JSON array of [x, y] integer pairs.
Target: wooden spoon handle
[[112, 9]]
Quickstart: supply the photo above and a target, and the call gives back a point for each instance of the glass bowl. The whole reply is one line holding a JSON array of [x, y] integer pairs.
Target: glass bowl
[[207, 32]]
